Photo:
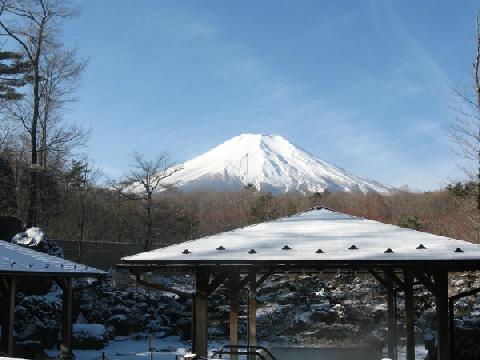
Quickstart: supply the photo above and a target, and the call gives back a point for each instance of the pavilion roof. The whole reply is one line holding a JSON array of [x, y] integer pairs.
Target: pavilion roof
[[15, 259], [319, 237]]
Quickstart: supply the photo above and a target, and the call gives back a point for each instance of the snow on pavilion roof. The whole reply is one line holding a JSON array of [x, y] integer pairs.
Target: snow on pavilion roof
[[319, 235], [15, 259]]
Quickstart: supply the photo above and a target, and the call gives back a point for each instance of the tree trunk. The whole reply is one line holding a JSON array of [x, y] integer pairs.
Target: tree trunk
[[148, 241], [82, 228], [32, 209]]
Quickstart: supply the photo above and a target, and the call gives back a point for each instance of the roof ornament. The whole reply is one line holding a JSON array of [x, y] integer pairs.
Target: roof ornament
[[353, 247], [252, 251], [319, 251], [388, 251], [458, 250], [286, 247], [421, 247], [186, 251], [220, 248]]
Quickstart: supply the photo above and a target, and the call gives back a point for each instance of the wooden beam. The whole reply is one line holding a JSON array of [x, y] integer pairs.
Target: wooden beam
[[216, 282], [391, 321], [441, 302], [4, 283], [386, 284], [162, 287], [426, 281], [252, 308], [201, 312], [234, 289], [193, 326], [409, 314], [8, 316], [394, 278], [264, 277], [67, 319]]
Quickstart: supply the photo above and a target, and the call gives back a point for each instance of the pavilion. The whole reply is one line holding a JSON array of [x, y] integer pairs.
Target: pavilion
[[18, 263], [314, 241]]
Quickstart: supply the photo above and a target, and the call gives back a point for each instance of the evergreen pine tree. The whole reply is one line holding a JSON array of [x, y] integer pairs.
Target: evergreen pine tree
[[8, 198], [13, 75]]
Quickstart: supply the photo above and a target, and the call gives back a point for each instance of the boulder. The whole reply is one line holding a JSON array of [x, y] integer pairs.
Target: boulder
[[89, 336]]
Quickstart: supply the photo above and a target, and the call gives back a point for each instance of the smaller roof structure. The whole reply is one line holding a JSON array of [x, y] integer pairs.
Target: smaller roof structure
[[18, 260], [316, 238]]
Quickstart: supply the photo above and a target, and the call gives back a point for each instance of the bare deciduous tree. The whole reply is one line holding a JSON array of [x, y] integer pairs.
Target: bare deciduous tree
[[140, 183], [33, 25], [60, 77], [465, 130]]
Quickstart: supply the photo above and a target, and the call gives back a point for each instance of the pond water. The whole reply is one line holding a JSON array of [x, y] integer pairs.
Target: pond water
[[299, 353]]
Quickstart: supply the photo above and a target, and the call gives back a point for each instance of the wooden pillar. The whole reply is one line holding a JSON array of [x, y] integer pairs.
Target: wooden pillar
[[201, 312], [8, 315], [441, 302], [67, 319], [409, 315], [392, 324], [193, 323], [252, 308], [234, 297]]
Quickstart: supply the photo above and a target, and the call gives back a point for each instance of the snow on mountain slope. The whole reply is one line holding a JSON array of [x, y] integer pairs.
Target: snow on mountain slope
[[269, 162]]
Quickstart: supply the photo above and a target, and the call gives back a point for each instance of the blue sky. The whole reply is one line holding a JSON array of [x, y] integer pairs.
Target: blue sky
[[365, 85]]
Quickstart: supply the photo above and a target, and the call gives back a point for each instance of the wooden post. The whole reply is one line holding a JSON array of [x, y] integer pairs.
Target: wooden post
[[201, 312], [252, 308], [193, 324], [67, 319], [8, 316], [409, 315], [391, 321], [451, 323], [441, 301], [234, 297]]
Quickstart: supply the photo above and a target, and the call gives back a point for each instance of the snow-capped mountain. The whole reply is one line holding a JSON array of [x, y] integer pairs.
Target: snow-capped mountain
[[271, 163]]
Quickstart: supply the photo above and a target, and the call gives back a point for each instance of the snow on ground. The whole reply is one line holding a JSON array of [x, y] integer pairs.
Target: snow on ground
[[171, 348], [125, 348]]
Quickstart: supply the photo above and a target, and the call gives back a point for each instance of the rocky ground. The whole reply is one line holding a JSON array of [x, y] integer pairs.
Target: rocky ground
[[340, 309]]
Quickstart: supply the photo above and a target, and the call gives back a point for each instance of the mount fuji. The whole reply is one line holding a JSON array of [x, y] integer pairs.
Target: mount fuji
[[270, 163]]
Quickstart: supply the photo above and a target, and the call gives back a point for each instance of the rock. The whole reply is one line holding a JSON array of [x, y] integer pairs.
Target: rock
[[89, 336], [320, 307], [37, 317], [30, 350], [328, 317], [472, 322], [466, 344], [336, 332], [183, 328]]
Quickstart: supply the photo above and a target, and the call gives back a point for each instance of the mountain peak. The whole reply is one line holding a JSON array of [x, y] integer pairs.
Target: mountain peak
[[271, 163]]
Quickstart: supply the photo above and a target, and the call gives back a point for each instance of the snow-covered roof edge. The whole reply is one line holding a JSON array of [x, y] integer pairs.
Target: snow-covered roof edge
[[322, 227], [15, 259]]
